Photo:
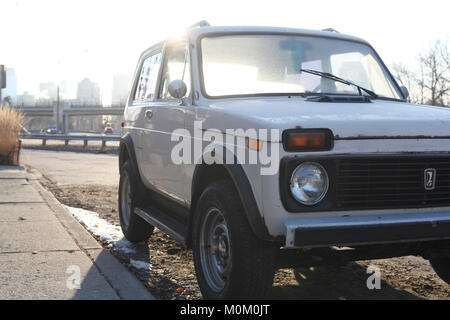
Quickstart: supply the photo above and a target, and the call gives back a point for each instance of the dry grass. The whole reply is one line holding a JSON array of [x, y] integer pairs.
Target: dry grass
[[10, 126]]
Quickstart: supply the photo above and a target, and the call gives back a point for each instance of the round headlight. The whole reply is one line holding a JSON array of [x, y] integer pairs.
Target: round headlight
[[309, 183]]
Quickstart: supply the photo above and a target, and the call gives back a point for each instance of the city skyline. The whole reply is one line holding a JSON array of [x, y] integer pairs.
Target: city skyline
[[47, 91], [88, 93]]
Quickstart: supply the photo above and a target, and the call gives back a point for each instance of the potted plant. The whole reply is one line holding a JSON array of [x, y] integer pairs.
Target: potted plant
[[10, 127]]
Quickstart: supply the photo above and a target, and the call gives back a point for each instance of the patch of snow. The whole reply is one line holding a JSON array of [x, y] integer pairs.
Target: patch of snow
[[140, 264], [108, 234]]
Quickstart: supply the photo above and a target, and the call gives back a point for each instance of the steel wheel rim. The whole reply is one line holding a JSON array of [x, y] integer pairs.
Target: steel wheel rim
[[215, 250], [126, 199]]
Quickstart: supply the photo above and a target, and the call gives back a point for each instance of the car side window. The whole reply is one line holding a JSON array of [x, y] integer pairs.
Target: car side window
[[176, 67], [148, 77]]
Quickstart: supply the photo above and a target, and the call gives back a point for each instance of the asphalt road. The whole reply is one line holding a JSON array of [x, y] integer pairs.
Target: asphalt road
[[67, 168]]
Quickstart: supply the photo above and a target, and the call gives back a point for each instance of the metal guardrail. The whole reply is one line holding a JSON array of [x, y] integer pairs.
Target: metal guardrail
[[50, 112], [67, 138]]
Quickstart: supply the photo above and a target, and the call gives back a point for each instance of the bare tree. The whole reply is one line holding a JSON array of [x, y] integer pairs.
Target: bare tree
[[435, 76], [430, 83], [407, 78]]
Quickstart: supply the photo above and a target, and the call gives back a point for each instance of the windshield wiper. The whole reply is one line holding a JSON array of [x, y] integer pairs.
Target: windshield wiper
[[336, 78]]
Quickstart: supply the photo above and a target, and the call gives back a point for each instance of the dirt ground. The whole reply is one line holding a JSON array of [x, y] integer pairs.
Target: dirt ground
[[172, 275]]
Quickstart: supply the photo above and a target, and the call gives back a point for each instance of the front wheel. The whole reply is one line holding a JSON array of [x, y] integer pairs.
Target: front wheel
[[230, 261], [442, 267]]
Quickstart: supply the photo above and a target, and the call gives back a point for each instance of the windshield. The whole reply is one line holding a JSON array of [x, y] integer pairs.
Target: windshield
[[271, 64]]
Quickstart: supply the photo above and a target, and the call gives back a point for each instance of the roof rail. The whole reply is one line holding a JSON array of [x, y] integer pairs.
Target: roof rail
[[330, 30], [199, 24]]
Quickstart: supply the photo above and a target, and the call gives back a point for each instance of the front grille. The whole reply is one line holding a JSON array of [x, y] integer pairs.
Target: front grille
[[391, 182]]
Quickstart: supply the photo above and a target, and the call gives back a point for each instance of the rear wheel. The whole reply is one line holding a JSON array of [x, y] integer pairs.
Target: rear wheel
[[442, 267], [131, 194], [230, 261]]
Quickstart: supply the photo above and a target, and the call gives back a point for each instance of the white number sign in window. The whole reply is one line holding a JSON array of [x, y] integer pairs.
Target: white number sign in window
[[148, 78]]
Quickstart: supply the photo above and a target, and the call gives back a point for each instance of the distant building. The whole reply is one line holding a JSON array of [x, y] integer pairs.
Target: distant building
[[25, 100], [120, 89], [11, 86], [44, 102], [48, 93], [88, 93], [47, 90]]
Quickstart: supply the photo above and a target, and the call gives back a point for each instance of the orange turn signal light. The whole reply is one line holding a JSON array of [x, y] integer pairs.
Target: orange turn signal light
[[307, 140]]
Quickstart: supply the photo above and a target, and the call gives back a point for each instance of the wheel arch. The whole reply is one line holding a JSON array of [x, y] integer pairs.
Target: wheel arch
[[205, 174]]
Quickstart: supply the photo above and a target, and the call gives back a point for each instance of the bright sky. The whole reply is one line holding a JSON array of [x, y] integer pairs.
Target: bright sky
[[54, 40]]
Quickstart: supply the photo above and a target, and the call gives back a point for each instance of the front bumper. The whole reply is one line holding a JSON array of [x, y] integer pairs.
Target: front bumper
[[368, 228]]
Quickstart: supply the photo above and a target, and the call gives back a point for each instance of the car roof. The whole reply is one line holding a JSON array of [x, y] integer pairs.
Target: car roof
[[202, 31], [197, 32]]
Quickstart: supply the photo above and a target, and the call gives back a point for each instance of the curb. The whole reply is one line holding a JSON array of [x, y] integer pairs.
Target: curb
[[124, 283]]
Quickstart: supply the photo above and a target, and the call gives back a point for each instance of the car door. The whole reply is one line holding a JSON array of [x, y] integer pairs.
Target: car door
[[141, 100], [165, 116]]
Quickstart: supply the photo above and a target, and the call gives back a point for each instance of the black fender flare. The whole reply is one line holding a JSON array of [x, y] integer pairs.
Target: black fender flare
[[248, 200], [126, 145]]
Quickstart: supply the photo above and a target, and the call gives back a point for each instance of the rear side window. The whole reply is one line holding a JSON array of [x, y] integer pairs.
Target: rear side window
[[148, 77]]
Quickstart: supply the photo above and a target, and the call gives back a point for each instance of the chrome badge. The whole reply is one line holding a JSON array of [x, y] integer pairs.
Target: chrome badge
[[430, 179]]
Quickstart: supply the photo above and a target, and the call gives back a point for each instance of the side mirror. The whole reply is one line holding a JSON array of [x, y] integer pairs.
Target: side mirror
[[405, 92], [177, 89]]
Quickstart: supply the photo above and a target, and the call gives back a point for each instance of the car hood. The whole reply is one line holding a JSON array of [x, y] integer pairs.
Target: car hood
[[379, 118]]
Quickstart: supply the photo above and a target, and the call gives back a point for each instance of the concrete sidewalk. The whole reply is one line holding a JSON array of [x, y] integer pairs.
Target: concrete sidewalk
[[45, 252]]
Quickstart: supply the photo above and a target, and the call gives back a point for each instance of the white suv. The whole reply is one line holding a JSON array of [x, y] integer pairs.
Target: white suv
[[263, 148]]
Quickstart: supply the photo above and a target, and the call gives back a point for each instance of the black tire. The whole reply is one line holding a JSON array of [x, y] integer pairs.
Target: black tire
[[134, 228], [251, 270], [442, 267]]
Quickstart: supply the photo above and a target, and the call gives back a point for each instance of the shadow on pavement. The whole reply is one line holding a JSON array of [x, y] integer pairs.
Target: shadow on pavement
[[93, 285], [342, 283]]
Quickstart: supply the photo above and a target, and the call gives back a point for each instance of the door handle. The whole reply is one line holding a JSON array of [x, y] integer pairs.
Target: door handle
[[149, 114]]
